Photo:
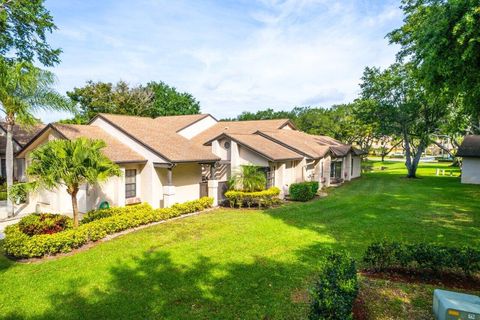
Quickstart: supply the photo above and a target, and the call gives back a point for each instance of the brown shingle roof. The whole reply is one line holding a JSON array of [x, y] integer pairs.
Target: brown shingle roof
[[158, 135], [177, 123], [470, 147], [21, 134], [238, 127], [312, 146], [269, 149], [115, 150]]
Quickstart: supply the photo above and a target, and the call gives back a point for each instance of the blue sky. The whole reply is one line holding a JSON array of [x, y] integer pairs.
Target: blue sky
[[233, 56]]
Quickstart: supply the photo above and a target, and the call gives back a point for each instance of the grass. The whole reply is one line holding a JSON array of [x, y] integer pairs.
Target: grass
[[249, 264]]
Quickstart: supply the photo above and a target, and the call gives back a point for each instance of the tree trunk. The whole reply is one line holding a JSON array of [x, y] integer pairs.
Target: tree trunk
[[408, 156], [73, 194], [412, 164], [9, 164]]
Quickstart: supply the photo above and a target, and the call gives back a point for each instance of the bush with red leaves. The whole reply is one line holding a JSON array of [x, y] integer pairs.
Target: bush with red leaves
[[44, 223]]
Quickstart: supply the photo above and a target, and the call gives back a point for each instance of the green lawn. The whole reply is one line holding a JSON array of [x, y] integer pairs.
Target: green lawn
[[244, 264]]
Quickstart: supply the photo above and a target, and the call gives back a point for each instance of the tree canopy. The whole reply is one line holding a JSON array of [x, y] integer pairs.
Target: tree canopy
[[400, 106], [153, 100], [24, 25], [441, 38]]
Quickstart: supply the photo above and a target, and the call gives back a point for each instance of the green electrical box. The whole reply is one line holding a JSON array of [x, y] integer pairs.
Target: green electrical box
[[448, 305]]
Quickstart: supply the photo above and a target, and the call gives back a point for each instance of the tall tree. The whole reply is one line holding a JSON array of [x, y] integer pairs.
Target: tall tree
[[24, 89], [401, 107], [168, 101], [442, 39], [102, 97], [71, 163], [24, 25], [153, 100]]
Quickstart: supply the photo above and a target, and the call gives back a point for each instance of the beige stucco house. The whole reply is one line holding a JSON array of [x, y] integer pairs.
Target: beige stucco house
[[469, 150], [179, 158]]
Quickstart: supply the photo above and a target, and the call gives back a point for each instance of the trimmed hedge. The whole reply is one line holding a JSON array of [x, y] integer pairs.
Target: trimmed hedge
[[44, 223], [104, 213], [386, 255], [19, 245], [335, 290], [303, 191], [265, 198]]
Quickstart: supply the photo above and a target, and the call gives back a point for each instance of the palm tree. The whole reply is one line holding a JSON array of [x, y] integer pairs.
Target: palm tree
[[24, 89], [249, 178], [70, 163]]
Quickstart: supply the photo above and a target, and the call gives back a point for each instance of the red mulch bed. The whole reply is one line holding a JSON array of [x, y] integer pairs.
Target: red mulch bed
[[359, 310]]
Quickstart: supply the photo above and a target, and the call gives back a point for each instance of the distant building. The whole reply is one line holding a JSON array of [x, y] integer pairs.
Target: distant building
[[469, 150]]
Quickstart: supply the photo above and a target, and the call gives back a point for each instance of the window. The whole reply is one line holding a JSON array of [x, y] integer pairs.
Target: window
[[130, 183], [336, 170], [226, 145], [4, 168]]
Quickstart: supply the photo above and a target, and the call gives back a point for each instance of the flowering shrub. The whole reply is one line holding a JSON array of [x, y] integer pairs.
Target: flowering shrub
[[20, 245]]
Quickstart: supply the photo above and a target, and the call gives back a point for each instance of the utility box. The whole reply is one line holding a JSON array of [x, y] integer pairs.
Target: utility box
[[448, 305]]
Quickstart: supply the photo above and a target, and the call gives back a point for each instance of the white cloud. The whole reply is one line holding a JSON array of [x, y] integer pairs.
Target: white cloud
[[243, 58]]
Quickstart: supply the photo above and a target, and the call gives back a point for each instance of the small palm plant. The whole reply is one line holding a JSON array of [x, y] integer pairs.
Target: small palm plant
[[248, 178], [70, 163]]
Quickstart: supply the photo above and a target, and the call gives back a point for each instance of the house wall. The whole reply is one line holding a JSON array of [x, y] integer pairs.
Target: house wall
[[357, 167], [327, 161], [186, 179], [197, 127], [471, 170], [246, 156]]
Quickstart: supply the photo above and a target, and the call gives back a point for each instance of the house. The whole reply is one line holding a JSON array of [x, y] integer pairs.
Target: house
[[469, 150], [20, 136], [179, 158]]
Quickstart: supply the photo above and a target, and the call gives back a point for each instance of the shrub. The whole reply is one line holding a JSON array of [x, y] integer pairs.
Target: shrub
[[20, 245], [104, 213], [385, 255], [335, 289], [265, 198], [44, 223], [303, 191]]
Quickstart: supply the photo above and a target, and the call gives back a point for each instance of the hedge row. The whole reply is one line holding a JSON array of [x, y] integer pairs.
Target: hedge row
[[303, 191], [387, 255], [265, 198], [335, 290], [19, 245]]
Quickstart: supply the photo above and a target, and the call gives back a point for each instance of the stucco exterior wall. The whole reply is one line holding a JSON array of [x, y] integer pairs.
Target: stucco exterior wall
[[471, 170], [197, 127], [246, 156], [186, 179], [357, 167]]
